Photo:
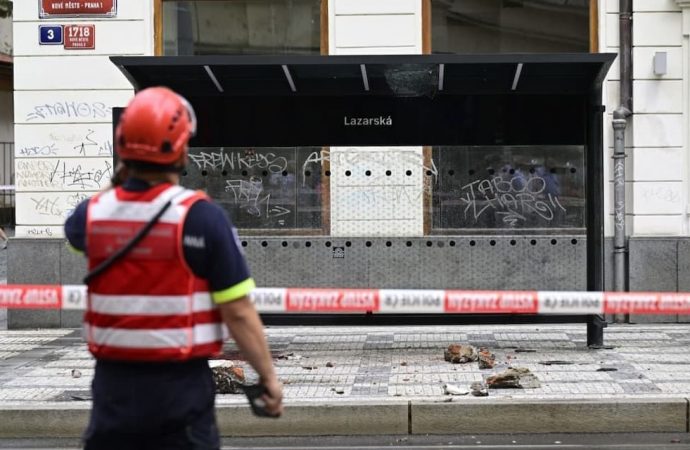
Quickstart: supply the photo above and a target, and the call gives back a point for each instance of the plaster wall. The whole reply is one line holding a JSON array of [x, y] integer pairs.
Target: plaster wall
[[657, 163], [62, 111], [365, 201]]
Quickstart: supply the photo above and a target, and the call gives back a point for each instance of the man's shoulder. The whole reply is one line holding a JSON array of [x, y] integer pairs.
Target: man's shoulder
[[204, 207], [207, 217]]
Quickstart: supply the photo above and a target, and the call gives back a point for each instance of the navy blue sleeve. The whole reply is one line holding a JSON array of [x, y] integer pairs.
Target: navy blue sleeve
[[75, 227], [211, 247]]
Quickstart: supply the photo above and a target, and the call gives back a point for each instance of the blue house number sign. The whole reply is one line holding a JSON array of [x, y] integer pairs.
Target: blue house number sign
[[50, 34]]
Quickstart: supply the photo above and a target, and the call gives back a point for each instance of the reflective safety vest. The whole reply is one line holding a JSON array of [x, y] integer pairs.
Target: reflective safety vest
[[149, 305]]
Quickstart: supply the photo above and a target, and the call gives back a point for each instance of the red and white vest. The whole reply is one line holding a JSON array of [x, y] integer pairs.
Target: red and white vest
[[149, 305]]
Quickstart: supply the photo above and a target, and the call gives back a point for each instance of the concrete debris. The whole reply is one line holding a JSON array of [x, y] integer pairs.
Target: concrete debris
[[479, 389], [290, 356], [76, 373], [227, 377], [452, 389], [487, 360], [339, 390], [330, 364], [514, 378], [458, 354], [309, 367]]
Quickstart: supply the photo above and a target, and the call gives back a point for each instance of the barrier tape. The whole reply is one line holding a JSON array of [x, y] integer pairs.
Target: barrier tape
[[395, 301]]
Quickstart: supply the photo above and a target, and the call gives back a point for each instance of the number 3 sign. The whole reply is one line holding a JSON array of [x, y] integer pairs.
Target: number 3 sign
[[50, 34], [80, 37]]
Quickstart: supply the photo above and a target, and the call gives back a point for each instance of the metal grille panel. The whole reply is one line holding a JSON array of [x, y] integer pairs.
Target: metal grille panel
[[501, 262]]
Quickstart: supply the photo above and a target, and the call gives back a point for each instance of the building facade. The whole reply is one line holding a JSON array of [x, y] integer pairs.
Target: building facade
[[497, 216]]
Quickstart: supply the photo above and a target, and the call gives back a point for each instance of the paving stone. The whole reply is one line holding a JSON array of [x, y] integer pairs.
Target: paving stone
[[379, 362]]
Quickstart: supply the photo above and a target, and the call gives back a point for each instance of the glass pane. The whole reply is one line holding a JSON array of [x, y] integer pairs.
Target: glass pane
[[237, 27], [506, 189], [505, 26], [261, 188], [392, 191]]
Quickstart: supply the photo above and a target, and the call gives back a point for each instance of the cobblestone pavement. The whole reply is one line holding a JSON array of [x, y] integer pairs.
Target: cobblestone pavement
[[394, 363]]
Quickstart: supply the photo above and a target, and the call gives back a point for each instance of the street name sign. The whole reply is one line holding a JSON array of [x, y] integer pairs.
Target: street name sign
[[77, 8]]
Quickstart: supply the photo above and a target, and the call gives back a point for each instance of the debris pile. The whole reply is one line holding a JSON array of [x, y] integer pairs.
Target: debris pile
[[227, 377], [458, 354], [487, 360], [513, 378], [453, 389], [479, 389]]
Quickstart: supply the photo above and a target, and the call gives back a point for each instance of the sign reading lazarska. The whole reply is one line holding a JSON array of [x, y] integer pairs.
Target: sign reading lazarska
[[378, 121], [77, 8]]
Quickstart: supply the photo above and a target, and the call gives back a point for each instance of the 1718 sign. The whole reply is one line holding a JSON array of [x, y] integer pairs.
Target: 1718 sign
[[77, 8], [80, 37]]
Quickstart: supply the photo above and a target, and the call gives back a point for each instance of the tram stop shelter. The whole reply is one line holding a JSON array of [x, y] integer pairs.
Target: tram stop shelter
[[440, 101]]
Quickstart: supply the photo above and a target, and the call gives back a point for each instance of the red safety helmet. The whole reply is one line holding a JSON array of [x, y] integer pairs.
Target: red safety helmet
[[155, 127]]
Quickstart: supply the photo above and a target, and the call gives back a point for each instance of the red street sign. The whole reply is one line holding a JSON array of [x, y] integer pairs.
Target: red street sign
[[80, 37], [77, 8]]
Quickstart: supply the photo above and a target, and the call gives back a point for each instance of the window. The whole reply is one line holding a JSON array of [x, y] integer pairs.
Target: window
[[510, 26], [214, 27]]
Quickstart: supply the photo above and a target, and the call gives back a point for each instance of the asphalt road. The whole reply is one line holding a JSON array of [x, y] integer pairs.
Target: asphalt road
[[628, 441]]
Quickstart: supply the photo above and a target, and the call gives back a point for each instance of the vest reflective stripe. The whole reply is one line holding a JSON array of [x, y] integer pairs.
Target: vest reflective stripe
[[151, 304], [108, 207], [155, 339]]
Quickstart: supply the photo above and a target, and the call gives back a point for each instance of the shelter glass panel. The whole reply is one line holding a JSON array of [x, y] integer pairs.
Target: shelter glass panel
[[262, 188], [241, 27], [509, 189], [505, 26]]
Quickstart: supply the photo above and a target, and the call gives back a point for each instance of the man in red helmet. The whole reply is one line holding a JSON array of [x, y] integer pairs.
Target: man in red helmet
[[158, 309]]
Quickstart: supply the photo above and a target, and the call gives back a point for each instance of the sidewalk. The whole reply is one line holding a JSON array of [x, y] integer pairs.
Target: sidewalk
[[389, 380]]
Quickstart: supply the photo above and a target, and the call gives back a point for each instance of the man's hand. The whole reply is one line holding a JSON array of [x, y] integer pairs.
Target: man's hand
[[247, 330], [273, 397]]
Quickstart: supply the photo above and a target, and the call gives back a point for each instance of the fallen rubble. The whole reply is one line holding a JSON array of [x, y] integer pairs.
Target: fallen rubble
[[459, 354], [227, 377], [513, 378]]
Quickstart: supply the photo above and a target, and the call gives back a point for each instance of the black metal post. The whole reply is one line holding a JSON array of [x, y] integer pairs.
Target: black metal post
[[595, 212]]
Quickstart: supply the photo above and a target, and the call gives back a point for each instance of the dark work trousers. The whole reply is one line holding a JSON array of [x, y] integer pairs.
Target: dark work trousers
[[152, 406]]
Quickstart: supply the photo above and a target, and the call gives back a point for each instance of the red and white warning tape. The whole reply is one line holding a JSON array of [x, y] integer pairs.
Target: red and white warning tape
[[395, 301]]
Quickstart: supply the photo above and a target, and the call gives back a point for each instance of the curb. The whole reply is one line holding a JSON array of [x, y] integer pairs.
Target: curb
[[396, 418], [551, 416]]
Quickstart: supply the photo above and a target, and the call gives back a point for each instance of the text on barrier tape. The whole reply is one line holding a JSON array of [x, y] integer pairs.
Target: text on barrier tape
[[394, 301], [31, 296]]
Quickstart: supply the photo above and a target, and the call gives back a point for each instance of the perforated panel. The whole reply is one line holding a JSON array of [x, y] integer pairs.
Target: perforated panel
[[377, 191], [513, 262]]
